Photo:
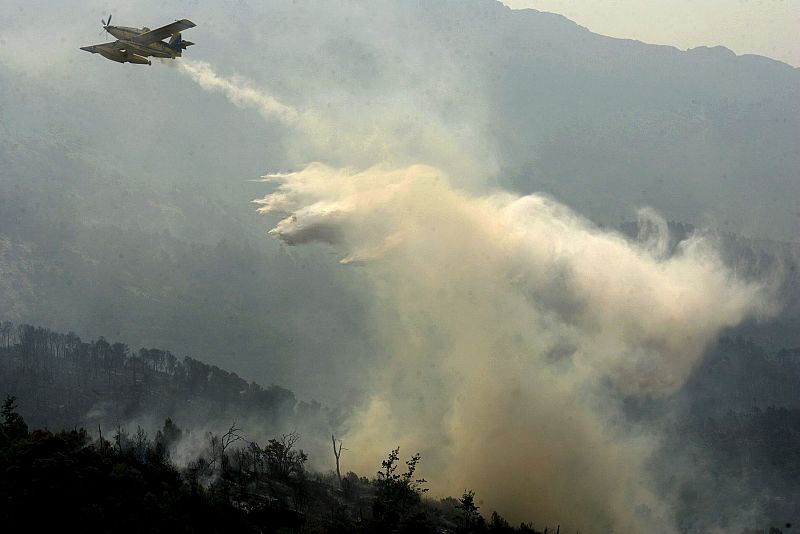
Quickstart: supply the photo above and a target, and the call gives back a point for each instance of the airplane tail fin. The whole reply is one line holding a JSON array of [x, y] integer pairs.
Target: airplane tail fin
[[178, 44]]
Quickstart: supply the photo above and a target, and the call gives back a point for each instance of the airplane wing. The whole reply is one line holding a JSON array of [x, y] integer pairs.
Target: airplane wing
[[164, 31], [114, 45]]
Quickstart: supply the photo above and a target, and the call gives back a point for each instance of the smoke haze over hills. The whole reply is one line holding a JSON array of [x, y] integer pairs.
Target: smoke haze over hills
[[454, 171]]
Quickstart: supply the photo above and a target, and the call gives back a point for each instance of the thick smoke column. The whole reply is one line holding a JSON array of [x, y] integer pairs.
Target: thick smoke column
[[512, 328]]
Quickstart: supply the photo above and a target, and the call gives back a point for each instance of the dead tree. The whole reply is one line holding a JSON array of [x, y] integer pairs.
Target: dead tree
[[231, 436], [337, 453], [228, 438]]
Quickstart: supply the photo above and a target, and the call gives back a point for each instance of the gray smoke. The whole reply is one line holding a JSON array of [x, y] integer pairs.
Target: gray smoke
[[512, 327]]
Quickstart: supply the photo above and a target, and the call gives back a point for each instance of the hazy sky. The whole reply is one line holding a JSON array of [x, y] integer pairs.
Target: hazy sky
[[765, 27]]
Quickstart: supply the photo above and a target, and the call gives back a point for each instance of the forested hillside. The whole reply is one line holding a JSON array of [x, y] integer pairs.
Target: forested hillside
[[65, 382], [740, 414], [131, 483]]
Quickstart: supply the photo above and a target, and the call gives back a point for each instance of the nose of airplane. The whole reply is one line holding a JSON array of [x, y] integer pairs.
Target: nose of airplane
[[87, 48]]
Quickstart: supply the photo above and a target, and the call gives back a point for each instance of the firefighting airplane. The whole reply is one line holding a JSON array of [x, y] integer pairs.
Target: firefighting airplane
[[135, 45]]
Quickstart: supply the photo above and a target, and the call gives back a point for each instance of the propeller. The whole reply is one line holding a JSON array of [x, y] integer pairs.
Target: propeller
[[105, 24]]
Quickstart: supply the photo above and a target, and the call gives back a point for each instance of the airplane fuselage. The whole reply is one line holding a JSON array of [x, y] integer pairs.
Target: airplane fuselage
[[126, 35]]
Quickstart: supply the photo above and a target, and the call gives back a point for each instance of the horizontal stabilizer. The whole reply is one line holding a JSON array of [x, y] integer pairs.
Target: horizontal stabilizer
[[164, 31]]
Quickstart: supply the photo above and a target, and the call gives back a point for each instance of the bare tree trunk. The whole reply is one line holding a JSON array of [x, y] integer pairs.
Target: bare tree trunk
[[337, 453]]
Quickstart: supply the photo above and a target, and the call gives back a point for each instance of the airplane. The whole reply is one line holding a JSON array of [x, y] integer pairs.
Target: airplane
[[135, 45]]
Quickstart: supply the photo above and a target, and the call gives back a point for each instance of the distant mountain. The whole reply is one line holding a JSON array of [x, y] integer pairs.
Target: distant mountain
[[609, 125]]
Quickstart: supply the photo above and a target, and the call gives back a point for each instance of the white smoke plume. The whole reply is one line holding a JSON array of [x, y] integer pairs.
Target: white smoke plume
[[512, 328], [363, 134], [240, 92]]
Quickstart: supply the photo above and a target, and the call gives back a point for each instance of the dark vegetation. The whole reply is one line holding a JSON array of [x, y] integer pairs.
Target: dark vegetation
[[126, 481], [741, 425], [740, 418], [66, 382], [65, 480]]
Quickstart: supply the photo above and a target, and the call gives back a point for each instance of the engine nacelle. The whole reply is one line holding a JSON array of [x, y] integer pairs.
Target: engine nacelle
[[133, 58]]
